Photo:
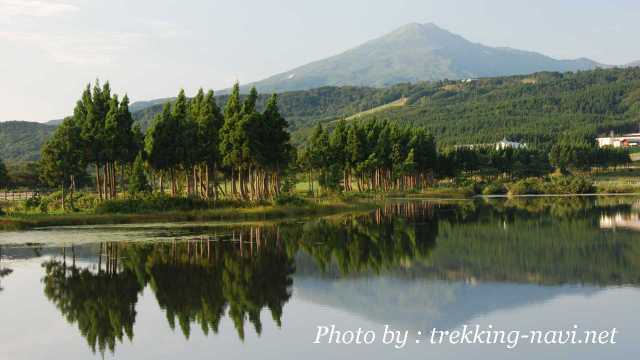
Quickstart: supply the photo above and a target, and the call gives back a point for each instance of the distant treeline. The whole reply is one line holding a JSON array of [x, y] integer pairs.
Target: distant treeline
[[382, 155]]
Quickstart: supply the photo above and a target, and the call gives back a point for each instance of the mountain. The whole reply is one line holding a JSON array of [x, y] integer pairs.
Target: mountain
[[416, 52], [21, 140], [55, 122], [632, 64]]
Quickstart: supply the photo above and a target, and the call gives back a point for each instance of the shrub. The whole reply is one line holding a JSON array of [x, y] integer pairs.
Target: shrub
[[160, 202], [494, 189], [530, 186], [32, 202], [569, 185], [289, 199]]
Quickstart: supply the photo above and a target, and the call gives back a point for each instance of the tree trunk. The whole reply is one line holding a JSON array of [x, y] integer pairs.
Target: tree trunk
[[173, 182], [72, 187], [105, 179], [99, 188], [63, 195]]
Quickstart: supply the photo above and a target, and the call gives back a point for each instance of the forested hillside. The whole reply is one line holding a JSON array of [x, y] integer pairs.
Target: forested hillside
[[306, 108], [21, 140], [535, 108]]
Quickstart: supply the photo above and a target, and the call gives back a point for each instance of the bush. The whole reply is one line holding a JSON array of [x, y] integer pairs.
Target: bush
[[569, 185], [289, 199], [494, 189], [530, 186], [32, 202], [554, 185], [160, 202]]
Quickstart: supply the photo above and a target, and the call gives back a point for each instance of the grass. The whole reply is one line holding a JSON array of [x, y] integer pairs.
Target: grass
[[265, 212], [125, 211], [625, 180]]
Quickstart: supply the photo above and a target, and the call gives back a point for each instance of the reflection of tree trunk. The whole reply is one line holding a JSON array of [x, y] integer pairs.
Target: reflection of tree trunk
[[100, 258]]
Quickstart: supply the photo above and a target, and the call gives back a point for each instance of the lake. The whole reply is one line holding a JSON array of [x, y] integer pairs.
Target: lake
[[269, 290]]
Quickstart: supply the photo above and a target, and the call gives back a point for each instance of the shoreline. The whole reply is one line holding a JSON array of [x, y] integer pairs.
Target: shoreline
[[269, 212], [20, 222]]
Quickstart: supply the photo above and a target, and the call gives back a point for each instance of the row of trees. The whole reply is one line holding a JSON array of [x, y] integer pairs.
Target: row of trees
[[251, 149], [381, 155], [100, 133], [371, 155], [583, 153], [191, 138]]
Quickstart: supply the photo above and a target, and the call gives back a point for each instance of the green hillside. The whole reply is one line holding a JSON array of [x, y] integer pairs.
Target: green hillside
[[535, 108], [21, 140], [305, 108]]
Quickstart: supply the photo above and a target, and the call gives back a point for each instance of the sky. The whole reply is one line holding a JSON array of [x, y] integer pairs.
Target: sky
[[50, 49]]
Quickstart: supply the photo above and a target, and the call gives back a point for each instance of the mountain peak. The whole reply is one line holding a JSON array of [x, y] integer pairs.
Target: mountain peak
[[417, 29], [416, 52]]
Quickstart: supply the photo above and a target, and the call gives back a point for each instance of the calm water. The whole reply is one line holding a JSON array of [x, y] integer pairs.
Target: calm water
[[238, 292]]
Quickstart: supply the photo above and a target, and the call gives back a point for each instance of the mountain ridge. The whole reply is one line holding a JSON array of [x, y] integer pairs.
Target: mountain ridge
[[416, 52]]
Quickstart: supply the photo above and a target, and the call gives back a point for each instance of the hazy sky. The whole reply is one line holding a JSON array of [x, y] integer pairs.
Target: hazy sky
[[50, 49]]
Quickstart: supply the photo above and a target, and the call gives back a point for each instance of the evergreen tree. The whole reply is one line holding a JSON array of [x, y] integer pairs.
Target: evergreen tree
[[138, 182], [4, 175], [208, 121], [62, 160], [230, 145], [159, 145]]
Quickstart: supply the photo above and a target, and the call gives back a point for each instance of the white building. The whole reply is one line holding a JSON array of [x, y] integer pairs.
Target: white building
[[625, 140], [504, 144]]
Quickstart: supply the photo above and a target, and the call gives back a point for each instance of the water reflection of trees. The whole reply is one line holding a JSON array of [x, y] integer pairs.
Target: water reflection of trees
[[197, 281], [3, 271], [541, 240], [101, 302], [194, 281], [393, 236]]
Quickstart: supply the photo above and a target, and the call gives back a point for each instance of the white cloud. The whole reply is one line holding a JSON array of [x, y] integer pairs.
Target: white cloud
[[34, 8], [90, 49]]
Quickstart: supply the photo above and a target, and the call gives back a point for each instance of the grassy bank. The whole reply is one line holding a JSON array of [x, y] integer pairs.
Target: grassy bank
[[23, 221]]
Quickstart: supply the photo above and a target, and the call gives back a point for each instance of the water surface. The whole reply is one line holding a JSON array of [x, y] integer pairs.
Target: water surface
[[259, 291]]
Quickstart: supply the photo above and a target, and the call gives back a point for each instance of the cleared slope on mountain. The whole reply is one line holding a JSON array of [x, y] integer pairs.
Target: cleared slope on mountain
[[305, 108], [412, 53]]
